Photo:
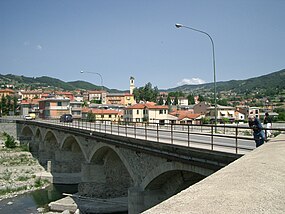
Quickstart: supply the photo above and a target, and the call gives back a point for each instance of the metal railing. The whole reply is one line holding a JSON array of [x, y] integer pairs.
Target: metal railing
[[227, 138]]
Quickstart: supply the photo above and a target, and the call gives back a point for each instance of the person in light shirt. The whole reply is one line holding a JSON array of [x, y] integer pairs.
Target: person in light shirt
[[268, 123]]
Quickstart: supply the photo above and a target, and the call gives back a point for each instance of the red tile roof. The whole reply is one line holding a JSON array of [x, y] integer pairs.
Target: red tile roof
[[184, 114]]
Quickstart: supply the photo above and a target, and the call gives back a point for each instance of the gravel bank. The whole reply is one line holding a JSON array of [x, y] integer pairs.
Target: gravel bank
[[18, 172]]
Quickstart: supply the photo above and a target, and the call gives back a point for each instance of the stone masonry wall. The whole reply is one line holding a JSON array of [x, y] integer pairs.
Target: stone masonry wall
[[9, 128]]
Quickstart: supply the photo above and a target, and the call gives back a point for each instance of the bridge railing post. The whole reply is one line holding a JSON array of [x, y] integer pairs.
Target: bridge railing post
[[135, 130], [157, 132], [126, 129], [171, 133], [212, 137], [188, 136], [236, 140], [119, 127], [145, 130]]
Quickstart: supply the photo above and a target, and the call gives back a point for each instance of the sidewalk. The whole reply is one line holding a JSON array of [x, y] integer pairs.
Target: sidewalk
[[255, 183]]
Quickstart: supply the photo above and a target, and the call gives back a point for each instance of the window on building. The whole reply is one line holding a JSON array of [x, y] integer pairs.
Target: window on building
[[138, 111], [160, 111], [59, 103], [110, 115]]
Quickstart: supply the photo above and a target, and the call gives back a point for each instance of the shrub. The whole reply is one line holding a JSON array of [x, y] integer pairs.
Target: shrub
[[10, 141]]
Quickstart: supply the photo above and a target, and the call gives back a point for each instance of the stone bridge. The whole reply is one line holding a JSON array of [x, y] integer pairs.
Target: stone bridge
[[108, 166]]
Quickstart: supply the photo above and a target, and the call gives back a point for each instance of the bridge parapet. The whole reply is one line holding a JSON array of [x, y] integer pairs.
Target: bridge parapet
[[252, 184]]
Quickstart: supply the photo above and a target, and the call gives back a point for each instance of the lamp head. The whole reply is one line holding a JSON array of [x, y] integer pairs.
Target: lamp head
[[81, 72], [178, 25]]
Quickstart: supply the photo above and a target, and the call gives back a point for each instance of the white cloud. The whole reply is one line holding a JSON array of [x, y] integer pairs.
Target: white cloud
[[192, 81], [39, 47]]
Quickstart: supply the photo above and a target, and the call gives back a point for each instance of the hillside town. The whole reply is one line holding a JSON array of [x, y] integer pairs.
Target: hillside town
[[101, 105]]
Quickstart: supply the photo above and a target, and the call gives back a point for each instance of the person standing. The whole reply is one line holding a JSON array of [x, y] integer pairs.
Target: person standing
[[258, 133], [268, 123]]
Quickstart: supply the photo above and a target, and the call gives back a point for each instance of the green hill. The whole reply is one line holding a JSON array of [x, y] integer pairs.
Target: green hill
[[270, 83], [273, 83]]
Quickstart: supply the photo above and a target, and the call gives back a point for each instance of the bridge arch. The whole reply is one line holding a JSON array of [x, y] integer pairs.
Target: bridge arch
[[69, 156], [166, 180], [50, 144], [112, 176], [169, 167], [27, 131], [35, 144]]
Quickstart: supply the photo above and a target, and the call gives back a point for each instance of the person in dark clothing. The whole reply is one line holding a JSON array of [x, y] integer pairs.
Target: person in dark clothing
[[268, 124], [258, 132]]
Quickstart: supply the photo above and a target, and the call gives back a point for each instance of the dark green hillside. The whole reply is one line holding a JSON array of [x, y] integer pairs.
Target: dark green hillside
[[85, 85], [271, 83], [48, 81]]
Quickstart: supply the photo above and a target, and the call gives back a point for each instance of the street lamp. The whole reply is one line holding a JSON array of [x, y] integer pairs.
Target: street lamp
[[214, 63], [101, 81]]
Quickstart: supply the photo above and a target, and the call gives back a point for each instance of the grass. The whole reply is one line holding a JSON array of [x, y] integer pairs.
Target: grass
[[23, 178], [8, 190], [40, 182]]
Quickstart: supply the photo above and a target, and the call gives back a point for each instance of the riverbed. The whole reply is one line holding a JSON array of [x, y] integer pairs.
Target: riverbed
[[28, 203]]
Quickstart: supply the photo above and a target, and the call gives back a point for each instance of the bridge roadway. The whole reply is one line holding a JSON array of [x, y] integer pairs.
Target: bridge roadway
[[255, 183]]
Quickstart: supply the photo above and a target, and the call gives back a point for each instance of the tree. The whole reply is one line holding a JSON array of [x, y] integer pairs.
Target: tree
[[4, 105], [15, 104], [176, 94], [175, 101], [160, 101], [190, 98], [168, 101], [201, 98], [90, 117], [146, 93], [223, 102]]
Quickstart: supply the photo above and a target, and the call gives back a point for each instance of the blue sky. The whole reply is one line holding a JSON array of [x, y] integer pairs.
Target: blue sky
[[123, 38]]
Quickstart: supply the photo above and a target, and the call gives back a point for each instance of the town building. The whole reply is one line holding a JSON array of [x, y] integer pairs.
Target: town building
[[247, 110], [29, 106], [52, 108], [222, 113], [76, 109], [95, 96], [187, 117], [132, 85], [148, 112], [124, 99], [103, 114], [6, 92], [29, 95]]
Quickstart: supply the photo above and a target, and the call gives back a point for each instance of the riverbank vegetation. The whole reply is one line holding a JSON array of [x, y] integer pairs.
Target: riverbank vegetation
[[18, 169]]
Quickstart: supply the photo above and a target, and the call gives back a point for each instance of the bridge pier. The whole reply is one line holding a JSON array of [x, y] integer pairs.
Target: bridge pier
[[135, 200]]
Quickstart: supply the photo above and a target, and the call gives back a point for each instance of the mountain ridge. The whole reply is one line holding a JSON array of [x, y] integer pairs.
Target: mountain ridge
[[273, 82]]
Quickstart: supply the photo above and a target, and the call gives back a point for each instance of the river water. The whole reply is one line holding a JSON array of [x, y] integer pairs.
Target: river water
[[29, 202]]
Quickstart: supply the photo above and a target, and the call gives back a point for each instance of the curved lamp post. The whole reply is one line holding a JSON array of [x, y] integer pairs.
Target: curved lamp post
[[100, 78], [214, 63]]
